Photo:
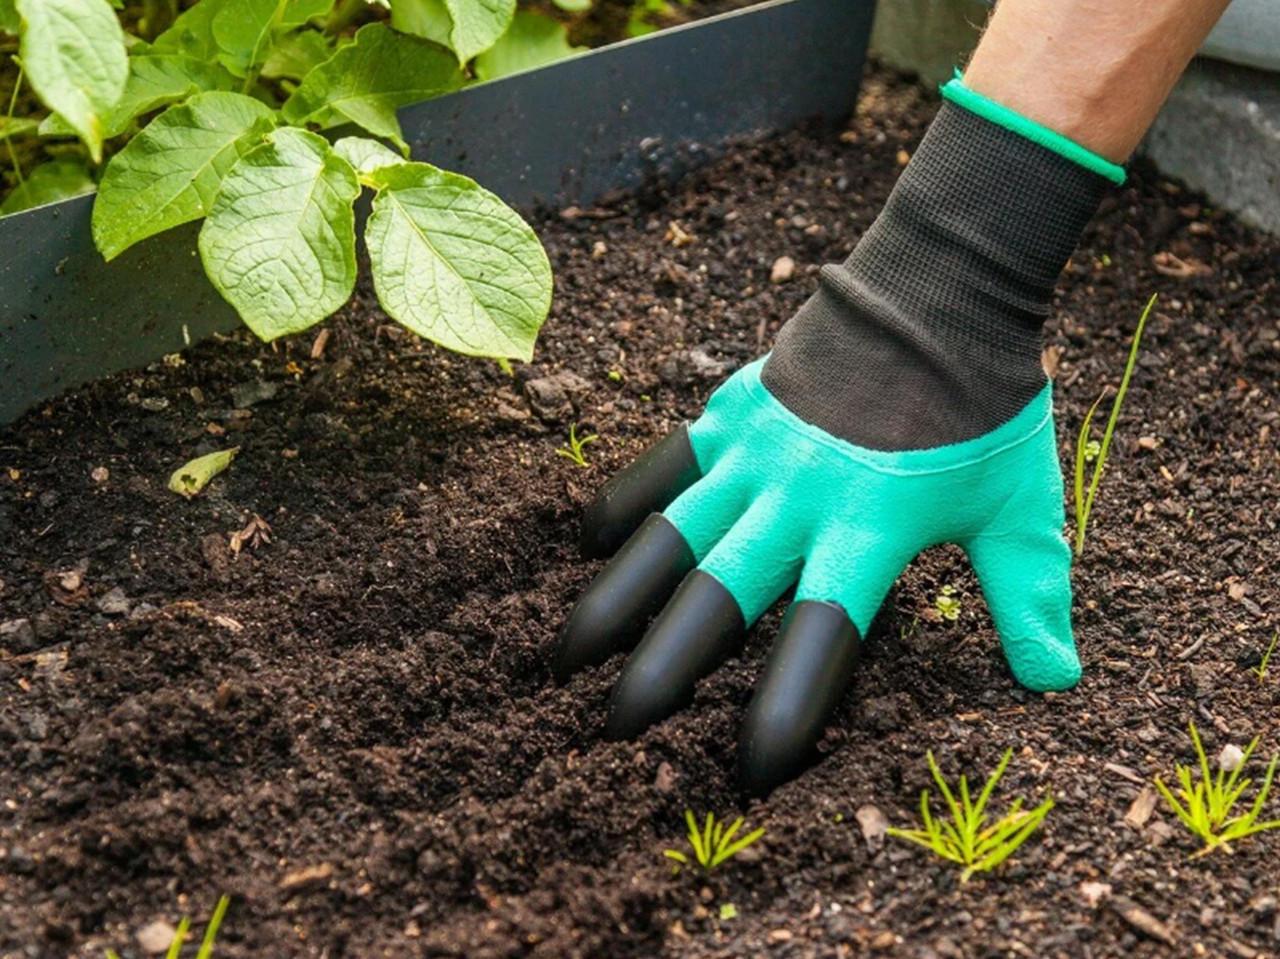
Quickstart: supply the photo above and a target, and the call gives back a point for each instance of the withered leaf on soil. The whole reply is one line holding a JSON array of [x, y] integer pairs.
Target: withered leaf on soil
[[1171, 265], [191, 478], [307, 876], [1141, 920], [1142, 808], [255, 533], [66, 587]]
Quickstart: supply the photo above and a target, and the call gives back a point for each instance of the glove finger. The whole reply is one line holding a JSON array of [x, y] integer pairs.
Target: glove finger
[[1026, 577], [624, 596], [700, 627], [648, 485], [805, 676], [704, 623]]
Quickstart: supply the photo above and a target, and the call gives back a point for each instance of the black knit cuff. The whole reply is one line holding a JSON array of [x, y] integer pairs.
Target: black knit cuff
[[937, 313]]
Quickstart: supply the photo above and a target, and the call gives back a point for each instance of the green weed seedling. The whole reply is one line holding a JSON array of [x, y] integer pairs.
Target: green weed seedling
[[946, 603], [180, 936], [1261, 669], [1205, 806], [1088, 450], [573, 452], [713, 843], [970, 838]]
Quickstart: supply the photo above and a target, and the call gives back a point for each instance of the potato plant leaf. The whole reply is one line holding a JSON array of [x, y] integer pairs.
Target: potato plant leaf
[[455, 264], [298, 12], [155, 80], [192, 32], [468, 27], [477, 24], [424, 18], [9, 21], [366, 155], [242, 30], [296, 54], [17, 126], [74, 55], [170, 173], [280, 241], [190, 478], [48, 183], [366, 81], [533, 41]]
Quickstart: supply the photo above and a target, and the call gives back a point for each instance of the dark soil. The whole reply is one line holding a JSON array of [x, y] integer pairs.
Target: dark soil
[[351, 727]]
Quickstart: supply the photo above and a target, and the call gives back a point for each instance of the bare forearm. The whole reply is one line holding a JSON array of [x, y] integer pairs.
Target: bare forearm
[[1096, 71]]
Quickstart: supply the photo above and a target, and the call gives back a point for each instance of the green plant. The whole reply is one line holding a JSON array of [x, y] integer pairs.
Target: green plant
[[644, 13], [1261, 669], [970, 838], [1085, 450], [712, 844], [1205, 806], [573, 452], [180, 936], [246, 88], [946, 603]]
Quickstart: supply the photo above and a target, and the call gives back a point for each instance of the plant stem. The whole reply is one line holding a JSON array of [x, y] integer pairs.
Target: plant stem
[[157, 15], [344, 16], [8, 143]]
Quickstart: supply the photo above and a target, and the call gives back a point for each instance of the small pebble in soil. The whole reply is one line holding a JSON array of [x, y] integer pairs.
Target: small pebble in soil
[[114, 602], [155, 937], [17, 636], [784, 268], [874, 825], [551, 397], [256, 391], [689, 366]]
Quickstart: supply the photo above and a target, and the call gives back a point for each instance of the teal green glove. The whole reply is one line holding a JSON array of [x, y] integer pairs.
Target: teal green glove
[[783, 503], [761, 501], [903, 406]]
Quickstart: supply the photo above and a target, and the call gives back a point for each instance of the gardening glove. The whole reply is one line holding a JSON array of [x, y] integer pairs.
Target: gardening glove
[[904, 406]]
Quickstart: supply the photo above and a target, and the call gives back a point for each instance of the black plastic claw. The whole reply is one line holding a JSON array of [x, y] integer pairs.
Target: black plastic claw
[[806, 674], [699, 628], [627, 593], [663, 472]]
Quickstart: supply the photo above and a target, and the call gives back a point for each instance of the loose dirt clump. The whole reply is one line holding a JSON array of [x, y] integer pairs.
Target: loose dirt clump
[[322, 685]]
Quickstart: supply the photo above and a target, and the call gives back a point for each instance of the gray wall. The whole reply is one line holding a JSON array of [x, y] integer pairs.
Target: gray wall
[[1219, 131]]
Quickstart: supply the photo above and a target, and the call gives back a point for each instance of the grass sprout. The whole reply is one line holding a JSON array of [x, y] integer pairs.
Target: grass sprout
[[970, 838], [1261, 669], [713, 842], [180, 935], [1086, 450], [1205, 806], [573, 452]]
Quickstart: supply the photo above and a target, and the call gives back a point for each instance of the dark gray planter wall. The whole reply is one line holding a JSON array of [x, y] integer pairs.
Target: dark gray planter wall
[[563, 134]]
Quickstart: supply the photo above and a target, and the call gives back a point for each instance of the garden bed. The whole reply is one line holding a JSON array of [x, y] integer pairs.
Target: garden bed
[[351, 728]]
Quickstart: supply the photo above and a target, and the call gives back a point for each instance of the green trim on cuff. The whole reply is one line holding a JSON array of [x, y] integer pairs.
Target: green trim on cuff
[[997, 113]]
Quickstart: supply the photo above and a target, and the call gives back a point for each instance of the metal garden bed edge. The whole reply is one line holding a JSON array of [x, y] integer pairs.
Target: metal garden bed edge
[[566, 133]]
